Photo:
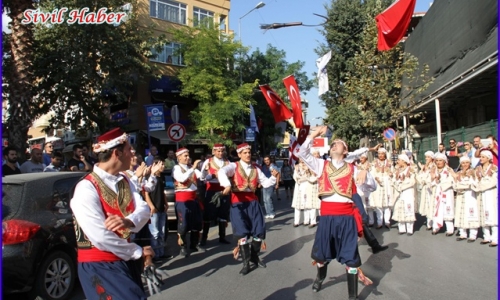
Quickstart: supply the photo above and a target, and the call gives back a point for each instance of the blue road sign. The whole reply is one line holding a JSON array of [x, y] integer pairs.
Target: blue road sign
[[389, 134]]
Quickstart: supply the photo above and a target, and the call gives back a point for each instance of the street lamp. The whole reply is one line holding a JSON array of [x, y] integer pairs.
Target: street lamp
[[259, 5]]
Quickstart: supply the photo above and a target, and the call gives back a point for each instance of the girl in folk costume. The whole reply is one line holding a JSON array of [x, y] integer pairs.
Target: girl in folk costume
[[404, 195], [487, 176], [444, 204], [305, 196], [467, 207], [426, 204], [382, 197], [365, 193]]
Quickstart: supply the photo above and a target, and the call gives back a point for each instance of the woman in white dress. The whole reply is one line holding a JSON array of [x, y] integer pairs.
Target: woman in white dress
[[467, 207], [425, 206], [444, 201], [487, 175], [404, 194], [382, 197], [364, 192], [305, 197]]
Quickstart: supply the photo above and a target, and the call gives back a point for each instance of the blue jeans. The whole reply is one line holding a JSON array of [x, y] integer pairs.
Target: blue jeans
[[157, 229], [267, 194]]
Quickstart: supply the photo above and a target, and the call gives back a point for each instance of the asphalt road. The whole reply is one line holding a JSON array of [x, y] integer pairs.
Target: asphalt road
[[421, 266]]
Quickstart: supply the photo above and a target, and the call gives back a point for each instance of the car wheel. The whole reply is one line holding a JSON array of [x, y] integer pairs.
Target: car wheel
[[56, 277]]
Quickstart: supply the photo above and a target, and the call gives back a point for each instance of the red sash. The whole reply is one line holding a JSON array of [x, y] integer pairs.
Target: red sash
[[342, 209]]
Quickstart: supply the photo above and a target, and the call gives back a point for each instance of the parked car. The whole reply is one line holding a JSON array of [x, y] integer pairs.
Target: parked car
[[170, 193], [38, 237]]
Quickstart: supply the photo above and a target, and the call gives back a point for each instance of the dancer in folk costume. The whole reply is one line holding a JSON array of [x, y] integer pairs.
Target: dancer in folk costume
[[444, 205], [107, 209], [305, 197], [467, 212], [187, 208], [364, 193], [340, 225], [241, 178], [426, 203], [404, 195], [382, 198], [211, 212], [487, 175]]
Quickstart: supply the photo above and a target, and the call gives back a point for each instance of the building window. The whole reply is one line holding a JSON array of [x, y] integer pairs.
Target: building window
[[200, 14], [168, 55], [168, 10]]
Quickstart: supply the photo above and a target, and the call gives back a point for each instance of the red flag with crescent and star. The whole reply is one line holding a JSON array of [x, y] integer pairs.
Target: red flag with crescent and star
[[295, 143], [294, 94], [278, 107], [393, 23]]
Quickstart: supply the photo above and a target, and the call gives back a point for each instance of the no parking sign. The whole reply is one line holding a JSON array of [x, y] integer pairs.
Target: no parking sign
[[389, 134]]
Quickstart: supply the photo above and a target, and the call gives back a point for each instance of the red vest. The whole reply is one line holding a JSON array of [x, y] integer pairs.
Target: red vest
[[337, 181], [240, 182], [213, 168], [123, 205]]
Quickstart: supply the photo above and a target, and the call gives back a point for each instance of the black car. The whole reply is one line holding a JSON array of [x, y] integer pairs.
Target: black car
[[170, 194], [38, 237]]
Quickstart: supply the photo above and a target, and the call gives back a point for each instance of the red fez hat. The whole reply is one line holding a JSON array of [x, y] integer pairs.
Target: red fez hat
[[242, 147], [218, 147], [180, 151], [110, 139]]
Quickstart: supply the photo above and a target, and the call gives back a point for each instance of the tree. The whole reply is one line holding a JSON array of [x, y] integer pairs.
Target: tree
[[270, 68], [209, 77], [83, 69], [365, 84], [18, 74]]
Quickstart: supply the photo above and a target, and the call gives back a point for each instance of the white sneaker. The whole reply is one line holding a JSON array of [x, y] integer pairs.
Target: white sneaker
[[267, 216], [272, 216]]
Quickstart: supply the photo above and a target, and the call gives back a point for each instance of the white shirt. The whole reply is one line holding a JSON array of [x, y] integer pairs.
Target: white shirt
[[87, 209], [148, 185], [181, 177], [316, 165], [229, 170], [204, 172]]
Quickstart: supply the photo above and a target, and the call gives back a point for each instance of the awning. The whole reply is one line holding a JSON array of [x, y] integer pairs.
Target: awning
[[166, 84]]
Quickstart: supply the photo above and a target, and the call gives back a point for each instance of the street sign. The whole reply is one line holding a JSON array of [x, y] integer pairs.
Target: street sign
[[176, 132], [390, 134], [250, 134], [174, 113]]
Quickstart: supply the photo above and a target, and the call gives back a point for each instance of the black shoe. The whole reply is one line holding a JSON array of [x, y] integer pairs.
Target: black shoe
[[434, 232], [379, 248], [224, 241], [193, 249], [470, 241], [401, 233], [409, 234], [485, 242], [459, 239], [254, 254], [428, 228], [245, 255], [458, 233], [203, 243], [449, 234], [370, 225]]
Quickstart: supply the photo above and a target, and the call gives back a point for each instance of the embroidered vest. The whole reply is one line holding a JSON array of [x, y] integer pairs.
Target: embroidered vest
[[240, 181], [213, 167], [336, 181], [186, 184], [120, 204]]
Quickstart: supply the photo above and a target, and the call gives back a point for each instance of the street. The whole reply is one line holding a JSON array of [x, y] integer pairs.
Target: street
[[421, 266]]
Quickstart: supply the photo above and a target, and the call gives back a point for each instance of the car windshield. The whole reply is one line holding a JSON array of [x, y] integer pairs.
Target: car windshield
[[169, 180], [12, 194]]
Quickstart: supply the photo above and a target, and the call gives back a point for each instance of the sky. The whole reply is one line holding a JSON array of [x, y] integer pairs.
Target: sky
[[298, 42]]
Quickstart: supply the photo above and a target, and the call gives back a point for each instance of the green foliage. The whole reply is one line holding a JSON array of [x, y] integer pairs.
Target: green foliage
[[210, 79], [83, 69], [366, 84]]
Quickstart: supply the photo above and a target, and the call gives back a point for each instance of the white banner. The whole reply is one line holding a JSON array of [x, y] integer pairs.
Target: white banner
[[322, 75]]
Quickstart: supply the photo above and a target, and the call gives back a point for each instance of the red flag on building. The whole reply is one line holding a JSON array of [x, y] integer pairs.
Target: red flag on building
[[278, 107], [294, 94], [393, 22]]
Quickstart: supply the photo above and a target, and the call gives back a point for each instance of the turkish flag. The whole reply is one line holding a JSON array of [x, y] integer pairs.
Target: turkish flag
[[303, 132], [294, 94], [278, 107], [393, 22], [318, 142]]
